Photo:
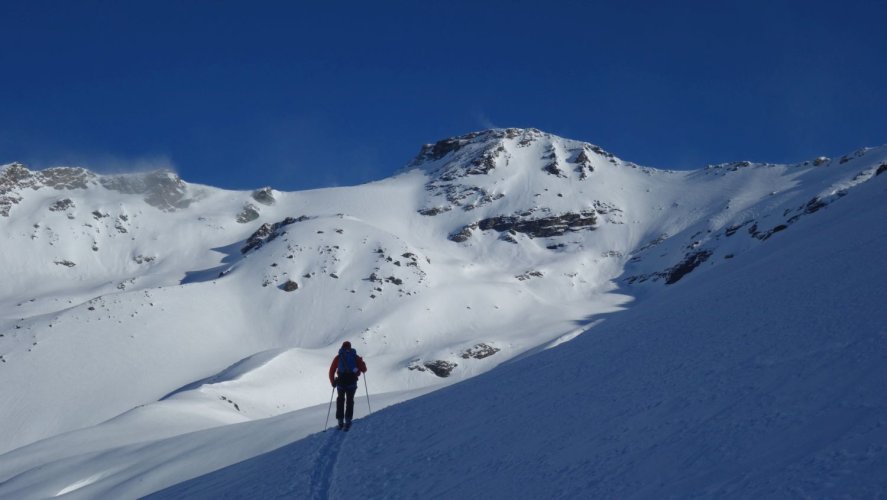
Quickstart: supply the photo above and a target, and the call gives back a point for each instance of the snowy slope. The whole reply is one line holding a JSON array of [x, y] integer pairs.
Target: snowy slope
[[769, 379], [146, 321]]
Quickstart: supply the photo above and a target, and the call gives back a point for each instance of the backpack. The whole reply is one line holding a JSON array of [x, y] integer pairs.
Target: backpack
[[348, 370]]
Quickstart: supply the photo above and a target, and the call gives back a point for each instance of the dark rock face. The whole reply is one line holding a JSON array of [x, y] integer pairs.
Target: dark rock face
[[440, 368], [13, 175], [691, 261], [480, 165], [66, 263], [141, 259], [529, 275], [463, 234], [544, 227], [479, 351], [881, 169], [731, 230], [268, 232], [583, 164], [436, 151], [553, 166], [434, 210], [440, 149], [473, 154], [724, 168], [265, 196], [814, 205], [62, 205], [248, 214], [774, 230], [554, 169], [674, 274], [289, 286], [6, 203], [120, 223]]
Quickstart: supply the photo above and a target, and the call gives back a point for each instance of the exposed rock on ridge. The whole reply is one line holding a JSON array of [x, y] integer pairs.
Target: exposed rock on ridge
[[162, 189], [524, 223]]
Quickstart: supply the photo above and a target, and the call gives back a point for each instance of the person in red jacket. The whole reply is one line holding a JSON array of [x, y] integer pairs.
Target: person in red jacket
[[345, 370]]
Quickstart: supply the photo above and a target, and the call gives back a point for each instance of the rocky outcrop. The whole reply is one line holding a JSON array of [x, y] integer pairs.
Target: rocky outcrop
[[434, 210], [452, 160], [142, 259], [162, 189], [731, 230], [61, 205], [439, 367], [534, 227], [674, 274], [265, 196], [440, 149], [552, 166], [481, 164], [583, 163], [554, 169], [463, 234], [268, 232], [466, 197], [691, 261], [479, 351], [611, 212], [529, 275], [16, 177], [249, 213], [289, 286], [445, 147]]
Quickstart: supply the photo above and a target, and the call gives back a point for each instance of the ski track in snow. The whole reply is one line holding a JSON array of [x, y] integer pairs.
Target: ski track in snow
[[327, 458]]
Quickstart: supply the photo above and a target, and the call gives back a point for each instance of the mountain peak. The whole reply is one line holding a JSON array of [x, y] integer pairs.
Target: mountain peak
[[444, 147], [480, 152]]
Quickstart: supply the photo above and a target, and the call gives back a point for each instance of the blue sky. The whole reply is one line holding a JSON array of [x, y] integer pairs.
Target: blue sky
[[298, 95]]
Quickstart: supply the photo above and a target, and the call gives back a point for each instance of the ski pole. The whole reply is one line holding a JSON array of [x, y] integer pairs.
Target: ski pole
[[329, 409], [368, 393]]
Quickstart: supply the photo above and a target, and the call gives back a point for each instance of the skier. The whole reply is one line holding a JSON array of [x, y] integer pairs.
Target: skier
[[348, 365]]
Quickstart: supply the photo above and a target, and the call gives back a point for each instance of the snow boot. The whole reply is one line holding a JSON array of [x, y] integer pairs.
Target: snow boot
[[341, 425], [347, 425]]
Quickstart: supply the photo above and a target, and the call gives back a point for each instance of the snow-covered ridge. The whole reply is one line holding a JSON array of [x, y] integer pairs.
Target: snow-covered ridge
[[161, 188], [140, 299]]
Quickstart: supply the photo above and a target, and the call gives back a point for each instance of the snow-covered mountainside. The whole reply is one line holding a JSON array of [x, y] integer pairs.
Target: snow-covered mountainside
[[152, 330]]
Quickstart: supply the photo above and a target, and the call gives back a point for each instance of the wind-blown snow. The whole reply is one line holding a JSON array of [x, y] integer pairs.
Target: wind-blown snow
[[757, 371]]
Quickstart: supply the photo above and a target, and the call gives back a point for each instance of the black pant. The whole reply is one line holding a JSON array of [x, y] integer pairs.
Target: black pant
[[343, 409]]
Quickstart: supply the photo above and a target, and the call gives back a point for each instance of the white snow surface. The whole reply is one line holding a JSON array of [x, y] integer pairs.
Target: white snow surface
[[718, 332]]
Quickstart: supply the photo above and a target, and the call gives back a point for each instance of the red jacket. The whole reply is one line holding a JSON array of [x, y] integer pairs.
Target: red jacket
[[335, 366]]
